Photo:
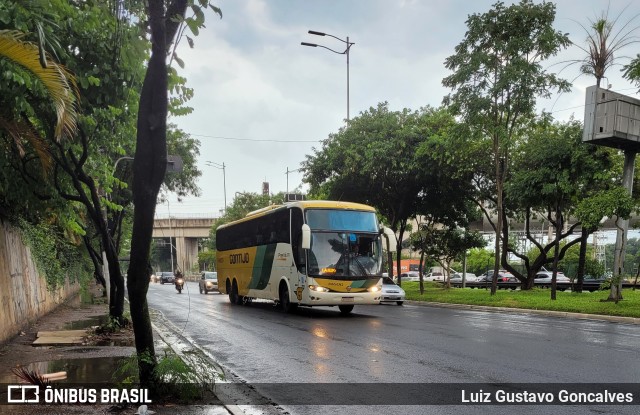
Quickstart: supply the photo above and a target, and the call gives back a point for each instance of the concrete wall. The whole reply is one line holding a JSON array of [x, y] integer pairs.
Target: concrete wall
[[24, 296]]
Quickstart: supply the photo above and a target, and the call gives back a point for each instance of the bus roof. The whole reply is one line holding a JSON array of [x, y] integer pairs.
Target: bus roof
[[329, 204], [310, 204], [305, 204]]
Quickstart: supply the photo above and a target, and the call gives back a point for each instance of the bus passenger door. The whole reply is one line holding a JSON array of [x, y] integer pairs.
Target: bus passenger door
[[298, 268]]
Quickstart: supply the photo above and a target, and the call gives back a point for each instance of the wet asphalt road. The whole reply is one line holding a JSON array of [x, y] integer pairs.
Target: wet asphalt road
[[408, 344]]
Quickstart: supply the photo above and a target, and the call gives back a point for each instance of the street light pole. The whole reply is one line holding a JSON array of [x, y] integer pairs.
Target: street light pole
[[224, 178], [115, 165], [287, 173], [345, 52], [170, 232]]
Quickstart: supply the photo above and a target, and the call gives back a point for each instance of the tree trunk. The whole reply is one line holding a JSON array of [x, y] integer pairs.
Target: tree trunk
[[615, 293], [621, 236], [149, 167], [584, 240], [421, 272], [97, 263], [556, 253], [399, 251], [500, 223], [116, 303]]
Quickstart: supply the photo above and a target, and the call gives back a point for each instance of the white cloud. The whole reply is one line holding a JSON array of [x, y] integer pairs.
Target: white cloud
[[253, 79]]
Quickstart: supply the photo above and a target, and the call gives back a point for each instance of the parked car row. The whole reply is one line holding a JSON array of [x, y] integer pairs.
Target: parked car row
[[415, 276]]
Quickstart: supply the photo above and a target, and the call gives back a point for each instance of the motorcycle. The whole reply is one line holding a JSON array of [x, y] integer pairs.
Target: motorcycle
[[179, 284]]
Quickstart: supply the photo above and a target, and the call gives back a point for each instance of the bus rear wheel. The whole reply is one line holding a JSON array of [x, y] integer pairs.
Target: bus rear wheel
[[345, 309], [285, 302], [234, 298]]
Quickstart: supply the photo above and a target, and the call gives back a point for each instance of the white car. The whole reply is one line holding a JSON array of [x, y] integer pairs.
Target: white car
[[544, 277], [391, 292], [410, 276], [434, 276]]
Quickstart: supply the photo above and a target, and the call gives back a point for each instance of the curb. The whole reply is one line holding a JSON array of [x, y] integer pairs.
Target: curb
[[232, 409], [550, 313], [180, 339]]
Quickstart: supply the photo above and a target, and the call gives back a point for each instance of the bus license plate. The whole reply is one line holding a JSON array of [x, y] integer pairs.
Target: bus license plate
[[347, 299]]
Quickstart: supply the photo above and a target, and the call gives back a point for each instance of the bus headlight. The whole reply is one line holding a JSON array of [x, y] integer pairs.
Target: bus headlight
[[374, 289], [318, 288]]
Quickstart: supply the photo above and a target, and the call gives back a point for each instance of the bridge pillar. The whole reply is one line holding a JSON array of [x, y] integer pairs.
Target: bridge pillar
[[186, 252]]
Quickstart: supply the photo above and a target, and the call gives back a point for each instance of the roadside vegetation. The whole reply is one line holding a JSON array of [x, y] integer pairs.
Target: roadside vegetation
[[534, 299]]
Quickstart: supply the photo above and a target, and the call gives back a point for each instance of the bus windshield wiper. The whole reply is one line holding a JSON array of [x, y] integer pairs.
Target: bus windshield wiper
[[361, 266]]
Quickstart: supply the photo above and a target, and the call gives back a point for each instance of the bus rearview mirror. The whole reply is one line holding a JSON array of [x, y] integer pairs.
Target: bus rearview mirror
[[391, 239], [306, 237]]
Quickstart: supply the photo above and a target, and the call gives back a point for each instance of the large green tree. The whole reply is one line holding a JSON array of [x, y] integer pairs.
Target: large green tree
[[497, 78], [553, 172], [380, 159]]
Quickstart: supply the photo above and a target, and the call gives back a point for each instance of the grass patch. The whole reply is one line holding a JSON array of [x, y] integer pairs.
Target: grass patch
[[536, 299]]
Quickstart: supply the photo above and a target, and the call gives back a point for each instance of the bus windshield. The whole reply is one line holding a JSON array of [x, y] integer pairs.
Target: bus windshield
[[342, 220], [345, 255]]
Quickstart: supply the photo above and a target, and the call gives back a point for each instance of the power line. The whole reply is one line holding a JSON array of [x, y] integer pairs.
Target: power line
[[254, 139]]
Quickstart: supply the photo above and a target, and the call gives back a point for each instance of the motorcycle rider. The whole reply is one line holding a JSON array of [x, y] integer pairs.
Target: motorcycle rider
[[178, 276]]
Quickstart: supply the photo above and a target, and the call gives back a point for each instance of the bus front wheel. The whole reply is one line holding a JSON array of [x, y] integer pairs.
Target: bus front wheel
[[345, 309], [285, 302]]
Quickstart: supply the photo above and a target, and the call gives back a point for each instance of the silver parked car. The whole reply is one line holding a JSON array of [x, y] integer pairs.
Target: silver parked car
[[469, 277], [208, 282], [391, 292]]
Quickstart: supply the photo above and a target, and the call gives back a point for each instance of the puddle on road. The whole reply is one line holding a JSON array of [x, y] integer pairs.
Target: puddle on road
[[85, 371]]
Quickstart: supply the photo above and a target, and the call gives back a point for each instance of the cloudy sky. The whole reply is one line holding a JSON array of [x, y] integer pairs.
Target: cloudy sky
[[263, 101]]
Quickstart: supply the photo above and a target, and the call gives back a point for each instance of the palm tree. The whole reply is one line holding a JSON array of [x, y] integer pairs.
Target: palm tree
[[57, 81]]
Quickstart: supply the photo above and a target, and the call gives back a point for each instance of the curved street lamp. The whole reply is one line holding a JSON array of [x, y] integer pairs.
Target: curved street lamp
[[345, 52]]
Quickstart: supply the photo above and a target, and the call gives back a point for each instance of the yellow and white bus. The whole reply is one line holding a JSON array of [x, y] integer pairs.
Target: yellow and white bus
[[304, 253]]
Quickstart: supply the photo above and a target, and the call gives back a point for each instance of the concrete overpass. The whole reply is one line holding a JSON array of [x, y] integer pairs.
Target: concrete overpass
[[186, 232]]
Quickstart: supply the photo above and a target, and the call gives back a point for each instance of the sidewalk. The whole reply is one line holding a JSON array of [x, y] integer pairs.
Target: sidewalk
[[92, 362]]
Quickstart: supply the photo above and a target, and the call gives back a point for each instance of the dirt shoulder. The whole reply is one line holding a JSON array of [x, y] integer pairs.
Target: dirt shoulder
[[84, 363], [93, 362], [71, 315]]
